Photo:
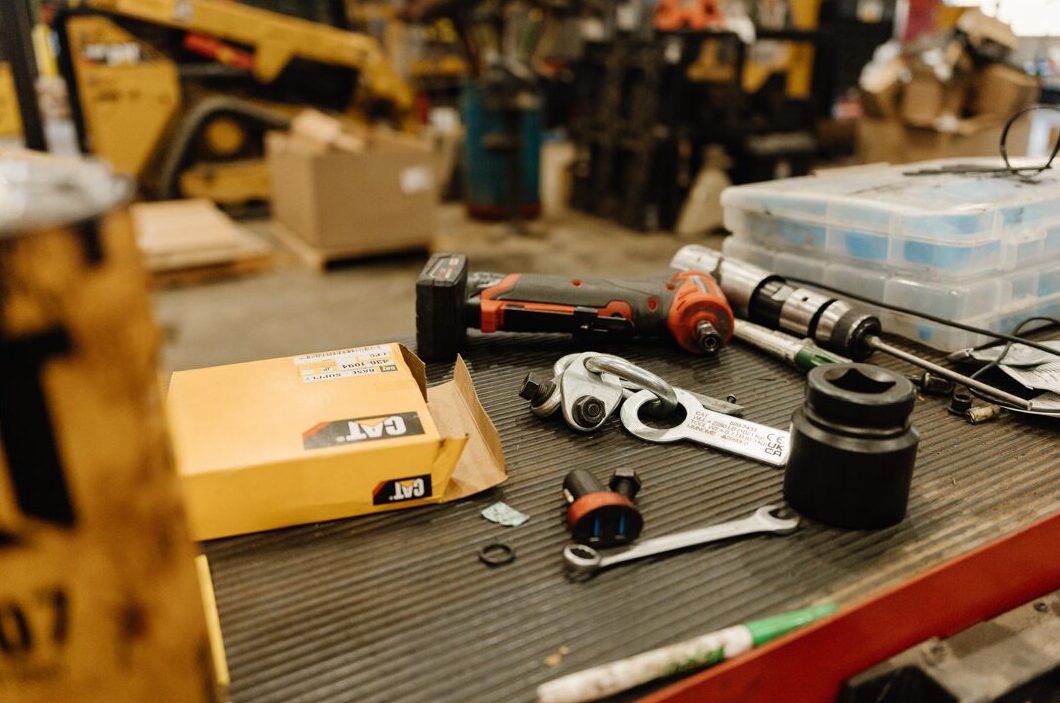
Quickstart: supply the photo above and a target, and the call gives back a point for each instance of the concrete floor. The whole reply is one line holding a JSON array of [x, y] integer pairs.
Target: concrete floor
[[294, 309]]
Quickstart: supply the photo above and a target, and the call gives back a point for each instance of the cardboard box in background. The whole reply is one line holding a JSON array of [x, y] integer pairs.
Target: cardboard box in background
[[316, 437], [988, 37], [922, 98], [943, 95], [926, 99], [1002, 90], [881, 88], [890, 141], [349, 202]]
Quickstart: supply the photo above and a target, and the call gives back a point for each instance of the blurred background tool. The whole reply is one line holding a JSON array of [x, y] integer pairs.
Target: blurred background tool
[[179, 93], [500, 102]]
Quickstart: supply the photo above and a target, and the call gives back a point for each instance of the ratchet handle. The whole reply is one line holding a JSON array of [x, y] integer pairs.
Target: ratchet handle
[[644, 307], [642, 304]]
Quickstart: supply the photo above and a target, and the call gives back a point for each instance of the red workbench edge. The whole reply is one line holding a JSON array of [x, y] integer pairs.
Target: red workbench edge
[[810, 666]]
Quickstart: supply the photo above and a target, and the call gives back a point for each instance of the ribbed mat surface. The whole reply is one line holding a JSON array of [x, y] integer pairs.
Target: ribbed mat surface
[[396, 607]]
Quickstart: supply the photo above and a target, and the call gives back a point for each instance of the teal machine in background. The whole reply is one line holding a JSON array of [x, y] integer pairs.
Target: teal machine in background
[[502, 150]]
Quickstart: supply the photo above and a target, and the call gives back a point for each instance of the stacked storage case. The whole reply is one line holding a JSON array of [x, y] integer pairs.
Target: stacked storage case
[[978, 248]]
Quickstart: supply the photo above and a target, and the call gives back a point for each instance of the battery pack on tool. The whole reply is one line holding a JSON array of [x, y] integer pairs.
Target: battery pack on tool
[[441, 290]]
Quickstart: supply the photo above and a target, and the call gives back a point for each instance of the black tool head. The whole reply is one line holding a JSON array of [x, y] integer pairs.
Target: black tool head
[[441, 294]]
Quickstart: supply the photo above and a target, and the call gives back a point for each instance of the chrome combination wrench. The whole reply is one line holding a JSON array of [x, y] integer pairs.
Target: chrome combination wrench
[[712, 429], [583, 561]]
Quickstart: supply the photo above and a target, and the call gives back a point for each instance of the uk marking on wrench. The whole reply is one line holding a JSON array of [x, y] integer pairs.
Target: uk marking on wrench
[[732, 434], [583, 561]]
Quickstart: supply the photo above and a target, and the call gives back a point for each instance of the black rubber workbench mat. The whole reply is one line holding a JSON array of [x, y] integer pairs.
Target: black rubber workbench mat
[[396, 606]]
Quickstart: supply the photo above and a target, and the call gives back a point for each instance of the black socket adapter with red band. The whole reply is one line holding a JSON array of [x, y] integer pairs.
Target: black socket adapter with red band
[[602, 517]]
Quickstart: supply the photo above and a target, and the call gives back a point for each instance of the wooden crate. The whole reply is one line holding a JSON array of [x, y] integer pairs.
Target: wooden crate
[[322, 259], [191, 241]]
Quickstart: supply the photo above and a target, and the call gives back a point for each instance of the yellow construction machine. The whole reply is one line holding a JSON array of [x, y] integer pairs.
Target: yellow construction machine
[[179, 93]]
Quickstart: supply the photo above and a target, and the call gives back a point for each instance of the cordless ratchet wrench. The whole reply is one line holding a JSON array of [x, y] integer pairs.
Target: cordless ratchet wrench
[[687, 306]]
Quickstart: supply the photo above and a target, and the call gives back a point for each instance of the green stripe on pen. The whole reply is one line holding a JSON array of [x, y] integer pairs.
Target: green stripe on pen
[[775, 626]]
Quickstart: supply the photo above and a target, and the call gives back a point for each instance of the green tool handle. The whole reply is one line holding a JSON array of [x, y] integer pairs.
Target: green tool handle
[[810, 357]]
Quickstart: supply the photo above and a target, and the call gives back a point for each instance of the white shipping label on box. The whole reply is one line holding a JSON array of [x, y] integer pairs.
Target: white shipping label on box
[[343, 363], [416, 179]]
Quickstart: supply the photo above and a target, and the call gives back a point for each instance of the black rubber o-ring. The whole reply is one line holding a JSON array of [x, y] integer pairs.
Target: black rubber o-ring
[[496, 554]]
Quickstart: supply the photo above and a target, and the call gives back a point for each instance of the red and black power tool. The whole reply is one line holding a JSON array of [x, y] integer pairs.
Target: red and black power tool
[[688, 306]]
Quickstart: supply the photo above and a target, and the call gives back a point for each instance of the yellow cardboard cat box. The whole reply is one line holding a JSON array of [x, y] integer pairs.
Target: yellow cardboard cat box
[[303, 439]]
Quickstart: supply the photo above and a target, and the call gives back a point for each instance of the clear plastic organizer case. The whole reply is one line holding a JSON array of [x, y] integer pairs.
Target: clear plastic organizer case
[[940, 226], [997, 303]]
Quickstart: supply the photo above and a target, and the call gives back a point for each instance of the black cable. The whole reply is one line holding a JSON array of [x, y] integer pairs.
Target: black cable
[[1024, 172], [997, 362], [1036, 318], [928, 316], [1008, 345], [1003, 144]]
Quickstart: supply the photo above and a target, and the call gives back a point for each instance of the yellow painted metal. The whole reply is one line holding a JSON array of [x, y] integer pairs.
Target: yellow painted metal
[[712, 65], [227, 183], [275, 39], [224, 136], [947, 15], [131, 95], [10, 120], [42, 51], [805, 14], [767, 57], [794, 58], [213, 622], [445, 66], [128, 92]]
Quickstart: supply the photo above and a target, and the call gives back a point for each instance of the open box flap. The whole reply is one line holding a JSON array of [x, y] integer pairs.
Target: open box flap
[[457, 412]]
